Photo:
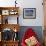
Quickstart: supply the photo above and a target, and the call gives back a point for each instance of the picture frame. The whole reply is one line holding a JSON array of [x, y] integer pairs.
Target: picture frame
[[5, 12], [29, 13]]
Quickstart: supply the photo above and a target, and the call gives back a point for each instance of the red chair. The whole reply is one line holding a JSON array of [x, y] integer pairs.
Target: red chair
[[29, 33]]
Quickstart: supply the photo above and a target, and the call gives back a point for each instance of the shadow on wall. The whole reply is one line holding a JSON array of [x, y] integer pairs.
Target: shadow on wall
[[37, 29]]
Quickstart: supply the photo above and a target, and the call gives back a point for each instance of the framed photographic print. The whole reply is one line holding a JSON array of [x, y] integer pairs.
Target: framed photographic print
[[29, 13], [5, 12]]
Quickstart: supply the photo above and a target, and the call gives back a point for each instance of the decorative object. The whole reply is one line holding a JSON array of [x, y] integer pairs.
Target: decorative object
[[5, 12], [15, 37], [13, 12], [29, 13], [7, 34], [15, 3], [15, 30], [6, 21], [30, 38]]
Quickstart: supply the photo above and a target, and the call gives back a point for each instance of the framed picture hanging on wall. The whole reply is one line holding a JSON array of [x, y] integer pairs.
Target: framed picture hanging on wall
[[29, 13]]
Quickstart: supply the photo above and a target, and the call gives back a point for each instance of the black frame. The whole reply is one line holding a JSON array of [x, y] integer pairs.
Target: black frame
[[29, 17]]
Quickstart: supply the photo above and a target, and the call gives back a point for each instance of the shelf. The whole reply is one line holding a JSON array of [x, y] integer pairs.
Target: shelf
[[6, 12], [11, 41], [2, 8], [10, 26], [10, 19], [7, 23], [9, 10]]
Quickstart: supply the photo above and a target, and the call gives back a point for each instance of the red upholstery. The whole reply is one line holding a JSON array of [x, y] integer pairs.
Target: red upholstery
[[29, 33]]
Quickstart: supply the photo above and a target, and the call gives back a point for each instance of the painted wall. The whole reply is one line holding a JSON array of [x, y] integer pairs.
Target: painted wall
[[39, 13], [27, 22], [27, 4]]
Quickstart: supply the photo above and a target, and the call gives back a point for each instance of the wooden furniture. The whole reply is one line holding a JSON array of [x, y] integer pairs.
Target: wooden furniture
[[5, 13], [44, 12], [10, 43], [44, 22], [44, 37], [0, 43], [11, 26]]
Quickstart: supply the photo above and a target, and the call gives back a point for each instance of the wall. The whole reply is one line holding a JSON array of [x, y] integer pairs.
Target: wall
[[27, 4], [32, 22], [28, 22], [39, 13]]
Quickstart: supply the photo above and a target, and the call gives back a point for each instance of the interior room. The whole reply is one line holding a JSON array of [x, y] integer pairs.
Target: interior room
[[22, 22]]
